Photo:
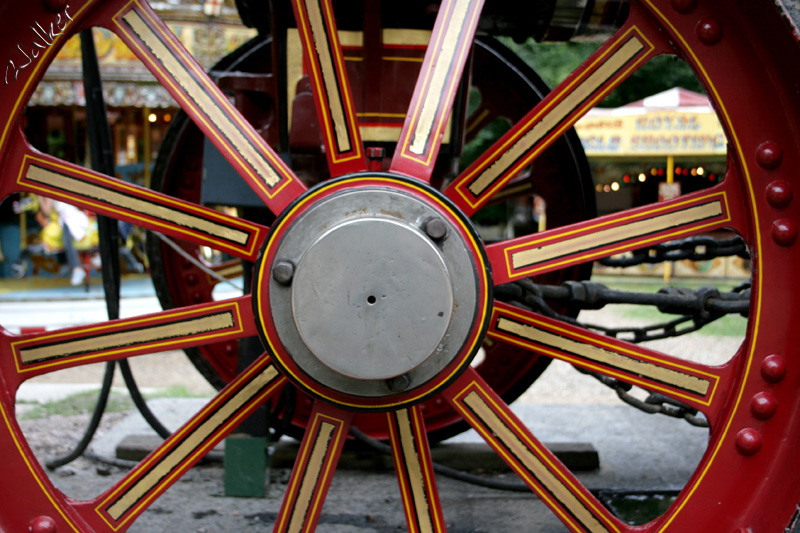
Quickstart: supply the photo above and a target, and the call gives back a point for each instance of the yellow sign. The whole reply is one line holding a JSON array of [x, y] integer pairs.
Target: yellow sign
[[652, 133]]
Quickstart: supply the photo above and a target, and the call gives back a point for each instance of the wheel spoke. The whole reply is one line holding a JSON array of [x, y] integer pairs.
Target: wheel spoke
[[131, 496], [332, 97], [316, 461], [603, 236], [40, 353], [448, 49], [598, 76], [691, 383], [486, 412], [55, 178], [158, 48], [412, 461]]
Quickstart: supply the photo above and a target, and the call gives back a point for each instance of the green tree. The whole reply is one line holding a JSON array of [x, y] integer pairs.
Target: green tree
[[555, 61]]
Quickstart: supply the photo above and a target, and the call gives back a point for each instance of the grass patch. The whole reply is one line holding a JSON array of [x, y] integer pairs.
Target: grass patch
[[78, 404], [84, 402]]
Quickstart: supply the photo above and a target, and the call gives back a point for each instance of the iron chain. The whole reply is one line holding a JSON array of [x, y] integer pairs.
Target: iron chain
[[697, 307]]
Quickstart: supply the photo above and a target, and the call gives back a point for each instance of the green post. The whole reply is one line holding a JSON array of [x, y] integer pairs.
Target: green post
[[245, 466]]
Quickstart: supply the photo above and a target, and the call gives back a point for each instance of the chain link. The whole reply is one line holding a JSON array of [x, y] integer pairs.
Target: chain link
[[698, 248], [697, 307]]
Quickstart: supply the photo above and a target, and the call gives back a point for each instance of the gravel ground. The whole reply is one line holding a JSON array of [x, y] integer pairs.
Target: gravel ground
[[361, 501]]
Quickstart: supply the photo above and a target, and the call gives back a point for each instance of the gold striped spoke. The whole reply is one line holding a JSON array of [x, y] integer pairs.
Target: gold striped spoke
[[486, 412], [688, 382], [326, 68], [115, 198], [313, 469], [603, 236], [412, 461], [173, 329], [158, 48], [139, 488], [448, 49], [598, 76]]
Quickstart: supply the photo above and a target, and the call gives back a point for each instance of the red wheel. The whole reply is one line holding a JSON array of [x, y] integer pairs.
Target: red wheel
[[411, 281]]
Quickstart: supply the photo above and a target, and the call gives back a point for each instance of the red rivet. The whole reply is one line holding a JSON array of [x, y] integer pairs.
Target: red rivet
[[197, 297], [763, 405], [231, 348], [749, 441], [769, 155], [683, 6], [784, 232], [773, 368], [43, 524], [55, 6], [709, 31], [191, 279], [779, 194]]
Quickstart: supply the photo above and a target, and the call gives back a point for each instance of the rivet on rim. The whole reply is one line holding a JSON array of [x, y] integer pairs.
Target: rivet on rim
[[769, 155], [683, 6], [43, 524], [55, 6], [784, 232], [709, 31], [773, 368], [763, 405], [749, 441], [779, 194]]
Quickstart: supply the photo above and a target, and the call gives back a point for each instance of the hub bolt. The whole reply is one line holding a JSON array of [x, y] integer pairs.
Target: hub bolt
[[435, 228], [283, 271], [399, 383]]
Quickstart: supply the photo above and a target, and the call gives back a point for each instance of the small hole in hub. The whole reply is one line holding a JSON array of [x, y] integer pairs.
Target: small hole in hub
[[371, 299]]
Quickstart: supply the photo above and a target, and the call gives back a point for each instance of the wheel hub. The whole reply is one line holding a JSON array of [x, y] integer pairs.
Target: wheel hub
[[369, 289]]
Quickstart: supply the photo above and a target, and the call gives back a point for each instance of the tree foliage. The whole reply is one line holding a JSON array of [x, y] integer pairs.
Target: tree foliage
[[555, 61]]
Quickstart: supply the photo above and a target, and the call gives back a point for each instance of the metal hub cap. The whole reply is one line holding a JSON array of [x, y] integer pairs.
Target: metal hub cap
[[372, 298], [370, 291]]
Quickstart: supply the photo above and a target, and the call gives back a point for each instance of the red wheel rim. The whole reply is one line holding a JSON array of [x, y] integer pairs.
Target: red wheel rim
[[752, 439]]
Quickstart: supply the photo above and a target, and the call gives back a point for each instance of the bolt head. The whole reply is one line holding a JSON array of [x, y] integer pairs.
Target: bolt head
[[749, 441], [784, 232], [709, 31], [779, 194], [769, 155], [435, 228], [399, 383], [773, 368], [43, 524], [283, 272], [763, 405], [55, 6]]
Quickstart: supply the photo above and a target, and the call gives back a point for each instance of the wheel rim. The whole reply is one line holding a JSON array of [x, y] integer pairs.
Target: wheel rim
[[750, 401]]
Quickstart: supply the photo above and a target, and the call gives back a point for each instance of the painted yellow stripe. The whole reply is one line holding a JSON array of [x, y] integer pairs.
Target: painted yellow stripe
[[193, 440], [539, 254], [329, 78], [129, 338], [312, 476], [136, 205], [532, 463], [413, 465], [556, 115], [441, 73], [617, 360], [196, 92]]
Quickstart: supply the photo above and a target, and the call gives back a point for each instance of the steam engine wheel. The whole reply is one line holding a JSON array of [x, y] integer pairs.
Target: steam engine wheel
[[413, 281]]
